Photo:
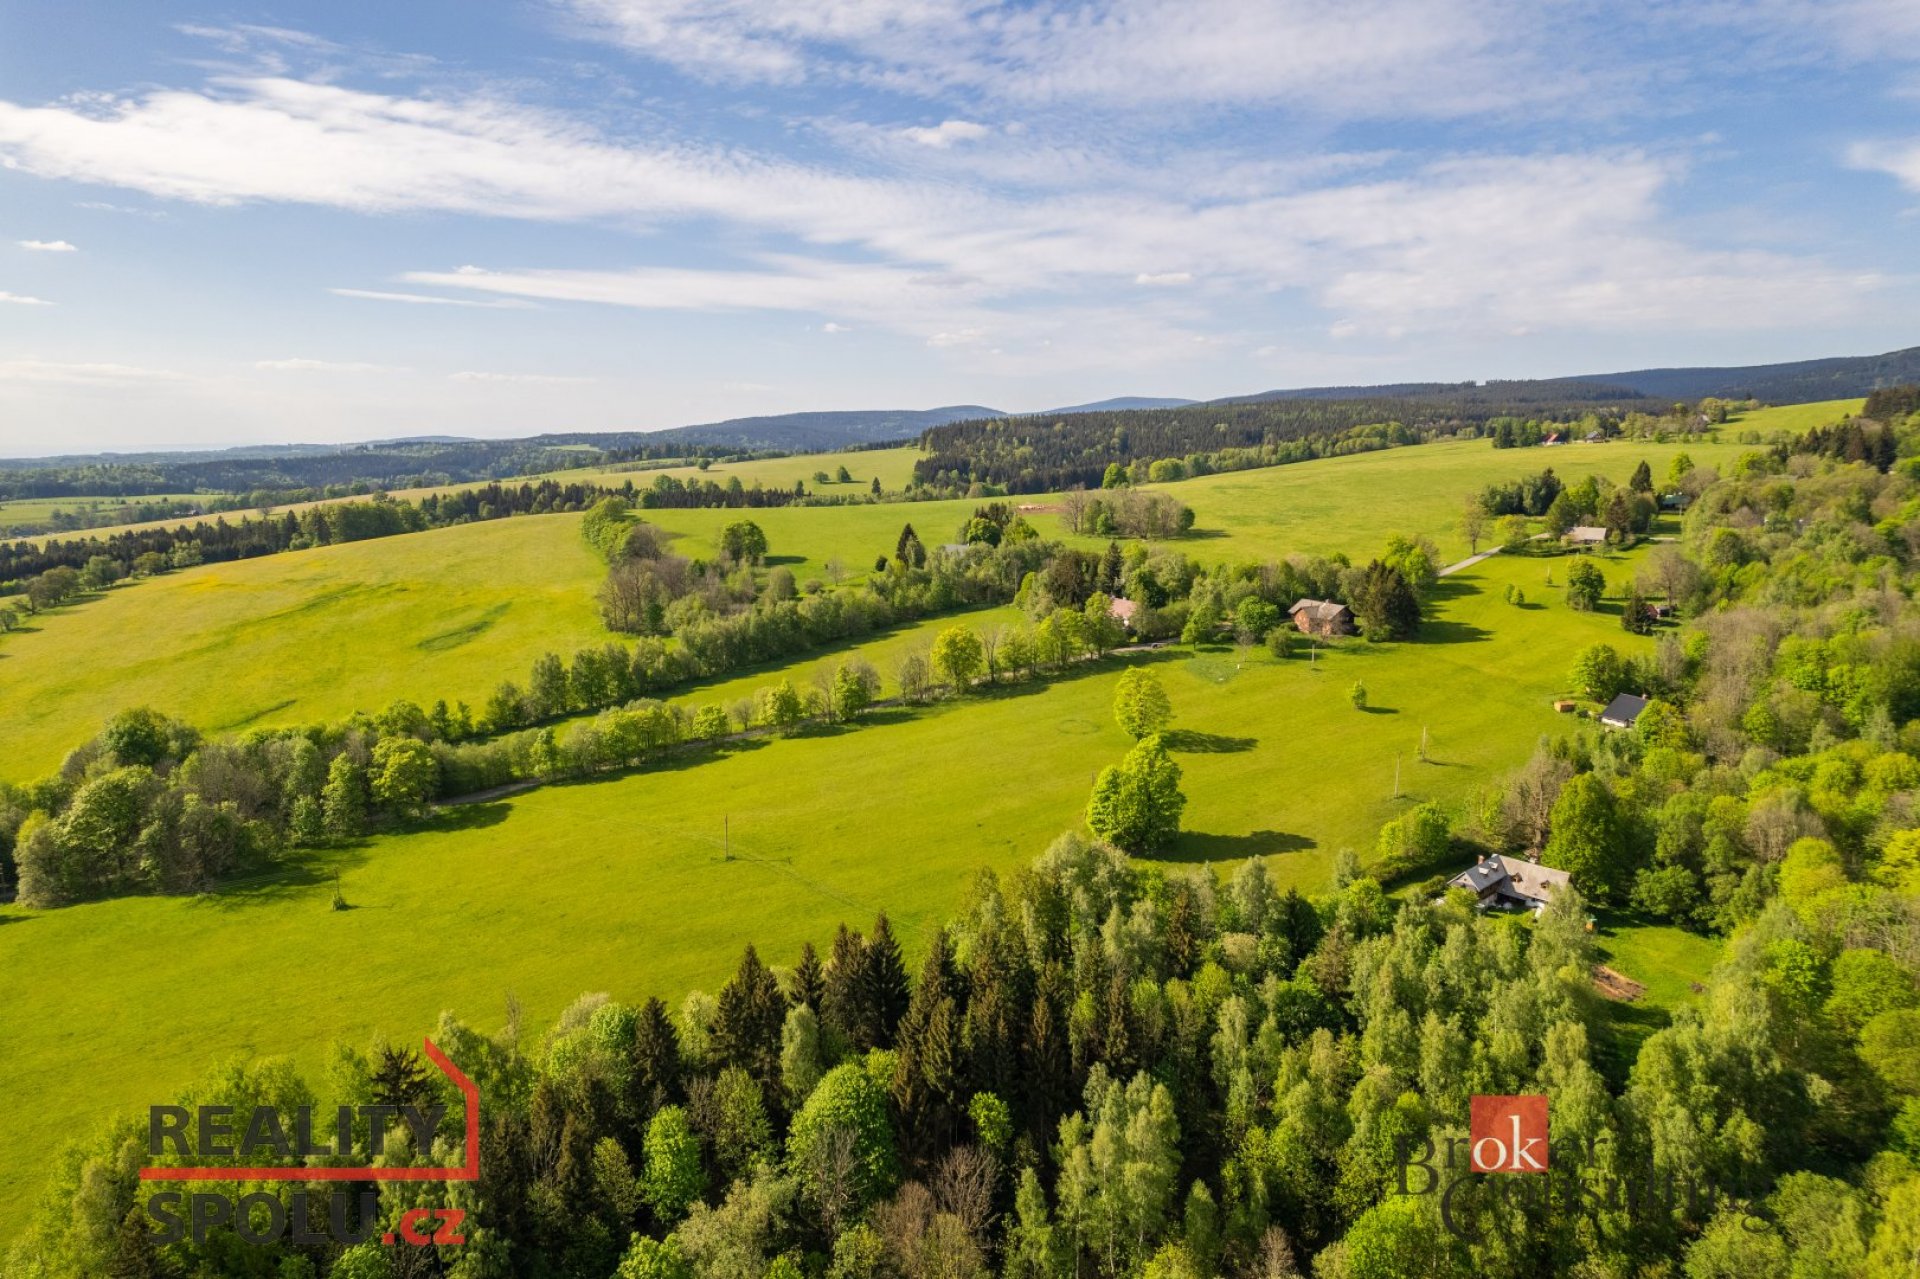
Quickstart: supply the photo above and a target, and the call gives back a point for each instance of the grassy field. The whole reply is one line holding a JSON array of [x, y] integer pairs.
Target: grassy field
[[304, 636], [893, 467], [450, 613], [1795, 418], [38, 510], [622, 884]]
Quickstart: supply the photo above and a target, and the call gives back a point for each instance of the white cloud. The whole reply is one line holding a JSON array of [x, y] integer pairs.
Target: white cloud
[[1364, 58], [1164, 278], [423, 299], [55, 372], [1900, 159], [48, 246], [833, 327], [958, 337], [303, 365], [540, 379], [946, 133], [20, 299]]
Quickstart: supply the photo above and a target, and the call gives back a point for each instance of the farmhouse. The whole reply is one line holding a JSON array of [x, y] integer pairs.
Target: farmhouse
[[1322, 617], [1623, 710], [1586, 535], [1123, 611], [1510, 883]]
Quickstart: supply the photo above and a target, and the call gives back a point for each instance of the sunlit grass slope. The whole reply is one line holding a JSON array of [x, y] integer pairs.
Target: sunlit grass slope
[[622, 884]]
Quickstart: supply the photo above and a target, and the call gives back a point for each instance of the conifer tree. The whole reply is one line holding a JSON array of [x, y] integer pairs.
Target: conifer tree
[[748, 1020], [809, 980], [655, 1080]]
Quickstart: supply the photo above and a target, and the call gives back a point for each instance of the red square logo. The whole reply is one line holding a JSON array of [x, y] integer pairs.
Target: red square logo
[[1509, 1134]]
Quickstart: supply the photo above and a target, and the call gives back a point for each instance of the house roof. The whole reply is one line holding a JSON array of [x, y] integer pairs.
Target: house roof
[[1623, 710], [1122, 610], [1586, 533], [1513, 877], [1320, 610]]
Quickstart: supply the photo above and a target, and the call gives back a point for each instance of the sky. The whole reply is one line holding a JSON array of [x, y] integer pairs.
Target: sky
[[256, 223]]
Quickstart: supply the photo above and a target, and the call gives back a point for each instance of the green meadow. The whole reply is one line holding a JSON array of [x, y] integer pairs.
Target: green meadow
[[304, 636], [626, 885], [311, 635], [1794, 418]]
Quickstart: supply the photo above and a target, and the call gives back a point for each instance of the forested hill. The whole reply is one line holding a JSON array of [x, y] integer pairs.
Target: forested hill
[[281, 470], [1799, 382], [811, 432], [1043, 453]]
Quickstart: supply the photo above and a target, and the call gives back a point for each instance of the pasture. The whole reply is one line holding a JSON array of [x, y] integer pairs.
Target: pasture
[[304, 636], [316, 634], [624, 884], [1793, 418]]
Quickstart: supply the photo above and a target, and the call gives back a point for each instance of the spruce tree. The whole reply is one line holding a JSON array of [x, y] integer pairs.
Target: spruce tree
[[655, 1080], [809, 980], [840, 997], [883, 989], [748, 1020]]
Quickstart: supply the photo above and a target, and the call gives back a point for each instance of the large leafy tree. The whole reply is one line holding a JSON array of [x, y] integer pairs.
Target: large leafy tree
[[1137, 803], [1588, 840], [743, 542], [1140, 704]]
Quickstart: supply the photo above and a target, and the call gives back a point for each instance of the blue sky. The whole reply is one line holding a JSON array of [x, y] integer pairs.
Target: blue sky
[[347, 221]]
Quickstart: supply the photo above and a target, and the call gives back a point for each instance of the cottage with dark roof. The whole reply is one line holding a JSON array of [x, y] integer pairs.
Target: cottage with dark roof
[[1500, 882], [1322, 617], [1623, 710]]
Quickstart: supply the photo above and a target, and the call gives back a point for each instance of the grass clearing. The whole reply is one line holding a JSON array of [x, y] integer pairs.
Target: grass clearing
[[623, 884], [1671, 963], [304, 636], [1794, 418]]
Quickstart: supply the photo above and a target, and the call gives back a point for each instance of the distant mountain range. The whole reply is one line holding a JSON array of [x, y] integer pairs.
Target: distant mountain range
[[801, 432], [434, 456], [1800, 382]]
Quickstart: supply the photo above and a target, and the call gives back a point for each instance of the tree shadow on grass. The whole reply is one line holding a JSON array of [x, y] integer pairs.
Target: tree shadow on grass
[[301, 872], [1192, 742], [1379, 710], [1622, 1029], [1199, 846], [1440, 630], [774, 561]]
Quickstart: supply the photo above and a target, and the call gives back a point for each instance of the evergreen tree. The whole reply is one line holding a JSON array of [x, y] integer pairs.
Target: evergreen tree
[[1384, 604], [840, 992], [908, 549], [748, 1020], [655, 1079], [1113, 571], [809, 980], [1642, 481]]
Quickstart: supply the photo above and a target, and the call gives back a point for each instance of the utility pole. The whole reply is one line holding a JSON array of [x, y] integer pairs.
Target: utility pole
[[726, 837], [1396, 775]]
